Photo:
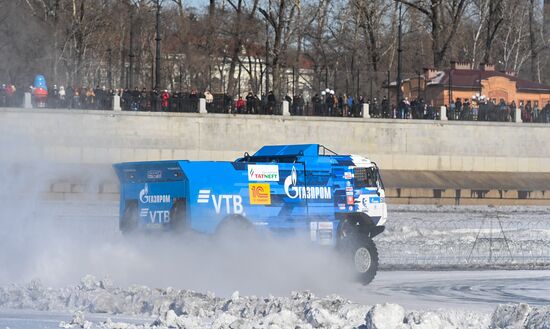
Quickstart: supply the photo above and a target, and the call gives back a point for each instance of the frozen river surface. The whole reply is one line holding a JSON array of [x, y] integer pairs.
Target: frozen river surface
[[58, 243]]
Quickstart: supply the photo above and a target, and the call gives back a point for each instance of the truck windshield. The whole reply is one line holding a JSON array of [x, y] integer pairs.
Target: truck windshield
[[366, 177]]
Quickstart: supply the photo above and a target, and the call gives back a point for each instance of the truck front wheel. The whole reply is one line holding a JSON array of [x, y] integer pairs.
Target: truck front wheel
[[364, 256]]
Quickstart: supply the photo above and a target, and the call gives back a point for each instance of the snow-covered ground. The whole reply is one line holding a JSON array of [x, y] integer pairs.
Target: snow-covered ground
[[143, 307], [281, 284], [433, 237]]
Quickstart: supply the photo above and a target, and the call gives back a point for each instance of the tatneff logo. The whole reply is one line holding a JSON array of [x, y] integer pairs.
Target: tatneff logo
[[263, 173]]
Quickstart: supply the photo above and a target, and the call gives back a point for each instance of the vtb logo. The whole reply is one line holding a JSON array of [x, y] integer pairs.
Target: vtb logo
[[233, 204], [260, 193]]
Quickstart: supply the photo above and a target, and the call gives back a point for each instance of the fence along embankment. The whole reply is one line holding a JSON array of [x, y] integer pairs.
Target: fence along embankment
[[449, 150]]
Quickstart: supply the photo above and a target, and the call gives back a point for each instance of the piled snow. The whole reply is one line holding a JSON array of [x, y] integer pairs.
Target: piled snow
[[78, 321], [387, 316], [172, 308]]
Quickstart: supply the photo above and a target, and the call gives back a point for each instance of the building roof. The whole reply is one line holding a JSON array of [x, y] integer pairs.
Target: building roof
[[470, 79]]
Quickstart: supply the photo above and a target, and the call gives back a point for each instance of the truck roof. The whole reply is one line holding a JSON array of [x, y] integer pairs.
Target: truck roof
[[312, 150], [311, 153]]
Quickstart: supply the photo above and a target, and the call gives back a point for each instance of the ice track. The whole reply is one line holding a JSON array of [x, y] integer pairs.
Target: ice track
[[73, 239]]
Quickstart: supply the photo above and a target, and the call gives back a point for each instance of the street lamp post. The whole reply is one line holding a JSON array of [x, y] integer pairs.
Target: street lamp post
[[357, 94], [389, 98], [157, 57], [266, 58], [399, 51], [450, 85], [110, 69], [130, 73]]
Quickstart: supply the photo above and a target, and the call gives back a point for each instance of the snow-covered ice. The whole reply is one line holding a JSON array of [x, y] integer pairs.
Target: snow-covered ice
[[175, 308], [58, 242]]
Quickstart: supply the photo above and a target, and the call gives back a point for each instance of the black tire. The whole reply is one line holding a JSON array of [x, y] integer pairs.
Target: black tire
[[129, 222], [363, 255], [178, 217]]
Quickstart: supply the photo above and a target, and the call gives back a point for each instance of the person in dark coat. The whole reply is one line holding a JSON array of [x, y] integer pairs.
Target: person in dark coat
[[271, 102], [545, 114], [250, 103]]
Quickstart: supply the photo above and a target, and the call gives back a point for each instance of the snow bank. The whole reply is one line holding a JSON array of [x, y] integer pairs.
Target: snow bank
[[173, 308]]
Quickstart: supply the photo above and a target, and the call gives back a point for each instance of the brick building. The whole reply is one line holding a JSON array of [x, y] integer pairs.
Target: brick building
[[462, 81]]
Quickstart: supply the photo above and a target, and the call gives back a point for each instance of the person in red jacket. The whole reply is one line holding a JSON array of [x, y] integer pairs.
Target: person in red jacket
[[165, 99], [240, 104]]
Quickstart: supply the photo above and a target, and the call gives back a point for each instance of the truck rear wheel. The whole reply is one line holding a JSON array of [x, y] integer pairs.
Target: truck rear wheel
[[234, 225], [178, 219], [129, 221], [362, 252]]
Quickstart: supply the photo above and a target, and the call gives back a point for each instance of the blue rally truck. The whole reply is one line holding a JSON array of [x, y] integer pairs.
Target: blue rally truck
[[336, 200]]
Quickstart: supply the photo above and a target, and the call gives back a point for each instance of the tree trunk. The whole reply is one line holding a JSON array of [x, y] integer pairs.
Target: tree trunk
[[533, 42], [494, 20], [443, 30], [236, 48], [210, 39]]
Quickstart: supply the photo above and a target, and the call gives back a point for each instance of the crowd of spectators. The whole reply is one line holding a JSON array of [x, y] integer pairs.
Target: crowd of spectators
[[153, 101], [80, 98], [60, 97], [144, 100], [483, 109], [326, 103], [9, 96]]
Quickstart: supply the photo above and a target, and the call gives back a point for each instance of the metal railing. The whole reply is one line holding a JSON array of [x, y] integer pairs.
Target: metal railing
[[220, 103]]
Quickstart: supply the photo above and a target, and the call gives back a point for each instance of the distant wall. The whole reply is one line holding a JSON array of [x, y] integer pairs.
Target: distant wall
[[103, 137]]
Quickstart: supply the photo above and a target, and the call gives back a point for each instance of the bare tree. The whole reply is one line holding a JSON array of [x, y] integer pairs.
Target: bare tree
[[241, 22], [513, 45], [371, 19], [279, 19], [315, 31], [493, 22], [534, 45], [445, 17]]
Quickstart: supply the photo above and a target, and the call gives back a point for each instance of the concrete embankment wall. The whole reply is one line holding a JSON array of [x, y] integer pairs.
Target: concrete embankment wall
[[103, 137]]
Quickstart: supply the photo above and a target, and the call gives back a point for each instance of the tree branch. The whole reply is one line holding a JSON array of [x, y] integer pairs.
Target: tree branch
[[416, 6]]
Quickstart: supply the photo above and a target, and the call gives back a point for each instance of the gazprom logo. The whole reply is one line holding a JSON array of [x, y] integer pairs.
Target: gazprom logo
[[144, 196], [293, 191], [290, 184]]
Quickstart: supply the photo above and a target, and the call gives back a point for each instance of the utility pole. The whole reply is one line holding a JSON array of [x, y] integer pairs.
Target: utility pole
[[157, 58], [451, 85], [389, 98], [130, 74], [266, 58], [357, 94], [399, 50], [110, 69]]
